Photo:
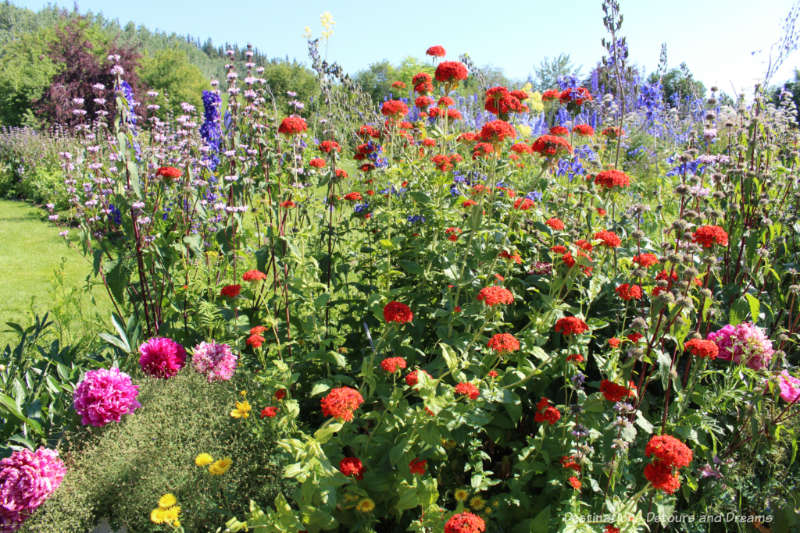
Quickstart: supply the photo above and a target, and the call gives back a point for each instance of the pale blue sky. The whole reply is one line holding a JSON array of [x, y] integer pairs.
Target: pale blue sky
[[715, 38]]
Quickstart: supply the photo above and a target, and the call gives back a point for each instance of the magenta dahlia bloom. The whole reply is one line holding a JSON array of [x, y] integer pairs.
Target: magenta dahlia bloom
[[745, 341], [216, 361], [27, 479], [161, 357], [104, 396], [790, 387]]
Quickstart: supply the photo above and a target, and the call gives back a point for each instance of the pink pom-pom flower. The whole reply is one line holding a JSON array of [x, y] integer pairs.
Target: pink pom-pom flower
[[104, 396], [216, 361], [161, 357], [27, 479]]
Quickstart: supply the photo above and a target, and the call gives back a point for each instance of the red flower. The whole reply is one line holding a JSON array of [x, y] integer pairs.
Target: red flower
[[230, 291], [575, 96], [614, 342], [353, 196], [523, 204], [551, 145], [567, 258], [341, 173], [503, 343], [661, 477], [465, 522], [629, 292], [496, 131], [584, 130], [255, 340], [501, 102], [452, 233], [445, 101], [492, 373], [317, 162], [601, 211], [435, 51], [645, 260], [254, 275], [454, 114], [288, 204], [559, 130], [669, 451], [574, 482], [280, 394], [494, 294], [467, 389], [611, 529], [613, 392], [550, 95], [702, 348], [169, 172], [583, 244], [341, 402], [482, 149], [546, 413], [412, 378], [468, 203], [397, 312], [351, 466], [635, 337], [292, 125], [707, 236], [269, 412], [328, 146], [612, 178], [571, 325], [555, 223], [515, 257], [417, 466], [558, 249], [609, 238], [450, 71], [613, 133], [398, 85], [576, 357], [429, 142], [393, 364], [257, 329], [394, 108], [521, 148], [368, 131]]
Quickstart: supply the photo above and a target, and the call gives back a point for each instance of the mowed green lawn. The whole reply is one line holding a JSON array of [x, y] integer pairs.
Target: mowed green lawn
[[30, 252]]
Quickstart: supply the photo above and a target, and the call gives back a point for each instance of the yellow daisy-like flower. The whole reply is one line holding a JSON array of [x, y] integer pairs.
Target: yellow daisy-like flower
[[220, 466], [243, 393], [242, 410], [461, 495], [365, 506], [171, 514], [477, 503], [167, 501], [203, 459], [157, 516]]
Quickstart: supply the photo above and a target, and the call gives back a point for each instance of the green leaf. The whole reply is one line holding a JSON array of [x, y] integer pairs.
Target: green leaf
[[324, 434], [755, 306]]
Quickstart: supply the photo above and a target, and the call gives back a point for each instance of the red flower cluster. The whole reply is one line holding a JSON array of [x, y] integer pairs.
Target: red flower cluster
[[230, 291], [423, 84], [445, 101], [556, 224], [341, 402], [494, 294], [523, 204], [501, 102], [546, 413], [645, 260], [551, 145], [367, 131], [612, 178], [465, 522], [550, 94], [702, 348], [328, 146], [317, 162], [670, 454], [255, 340], [482, 149], [397, 312], [496, 131], [445, 162], [583, 130], [292, 125], [353, 196], [571, 325], [575, 483], [435, 51], [503, 343], [629, 292], [452, 233], [393, 364], [398, 85], [467, 389], [269, 412], [576, 357], [613, 133], [609, 238], [575, 96], [707, 236], [561, 131], [169, 172], [417, 466], [351, 466], [394, 108], [613, 392], [450, 71], [254, 275], [568, 461], [521, 148], [412, 378], [614, 342]]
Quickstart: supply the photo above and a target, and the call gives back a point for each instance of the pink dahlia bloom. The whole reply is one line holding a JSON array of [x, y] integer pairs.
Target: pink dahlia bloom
[[216, 361], [745, 341], [104, 396], [790, 387], [27, 479], [161, 357]]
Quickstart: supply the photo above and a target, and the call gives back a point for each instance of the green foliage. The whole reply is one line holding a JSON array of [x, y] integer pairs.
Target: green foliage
[[680, 83], [25, 74], [169, 72], [550, 69], [377, 79], [119, 472]]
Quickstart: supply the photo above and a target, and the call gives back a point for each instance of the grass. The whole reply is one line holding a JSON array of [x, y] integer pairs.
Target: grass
[[30, 258]]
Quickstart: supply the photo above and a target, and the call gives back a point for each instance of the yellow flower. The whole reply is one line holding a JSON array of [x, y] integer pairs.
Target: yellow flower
[[477, 503], [535, 103], [203, 459], [171, 514], [243, 393], [157, 516], [366, 505], [220, 466], [307, 32], [242, 410], [167, 501], [327, 20], [523, 130], [461, 495]]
